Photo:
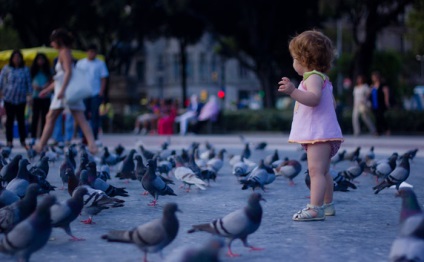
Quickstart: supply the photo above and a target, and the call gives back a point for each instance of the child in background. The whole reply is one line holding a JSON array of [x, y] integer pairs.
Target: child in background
[[315, 124]]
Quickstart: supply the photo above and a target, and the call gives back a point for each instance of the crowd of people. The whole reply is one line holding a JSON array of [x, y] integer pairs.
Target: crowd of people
[[43, 88], [162, 114]]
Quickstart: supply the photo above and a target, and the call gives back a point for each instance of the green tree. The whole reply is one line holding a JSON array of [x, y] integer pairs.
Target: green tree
[[415, 22], [257, 33], [367, 18]]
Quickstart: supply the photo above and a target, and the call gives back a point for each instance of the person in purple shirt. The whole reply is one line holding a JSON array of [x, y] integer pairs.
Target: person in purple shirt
[[15, 86]]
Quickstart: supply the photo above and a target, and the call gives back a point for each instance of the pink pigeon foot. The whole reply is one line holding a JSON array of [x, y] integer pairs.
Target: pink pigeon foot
[[231, 254], [88, 221], [74, 238], [256, 248], [152, 204]]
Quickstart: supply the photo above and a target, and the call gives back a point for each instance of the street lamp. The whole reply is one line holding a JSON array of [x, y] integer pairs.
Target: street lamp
[[421, 59]]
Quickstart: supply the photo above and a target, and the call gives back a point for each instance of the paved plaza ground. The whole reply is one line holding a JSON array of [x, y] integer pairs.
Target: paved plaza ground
[[363, 229]]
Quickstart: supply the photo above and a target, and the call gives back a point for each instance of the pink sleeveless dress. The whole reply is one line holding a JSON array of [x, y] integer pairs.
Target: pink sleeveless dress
[[316, 124]]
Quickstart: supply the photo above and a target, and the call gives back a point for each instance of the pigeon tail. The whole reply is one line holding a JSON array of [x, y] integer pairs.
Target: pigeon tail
[[121, 236]]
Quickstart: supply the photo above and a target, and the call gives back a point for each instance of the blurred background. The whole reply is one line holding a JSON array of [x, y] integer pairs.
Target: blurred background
[[236, 50]]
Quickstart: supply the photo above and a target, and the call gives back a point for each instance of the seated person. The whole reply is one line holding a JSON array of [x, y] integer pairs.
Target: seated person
[[193, 111], [148, 121], [209, 112], [167, 119]]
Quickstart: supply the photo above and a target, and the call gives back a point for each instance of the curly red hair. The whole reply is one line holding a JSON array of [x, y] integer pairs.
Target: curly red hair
[[313, 50]]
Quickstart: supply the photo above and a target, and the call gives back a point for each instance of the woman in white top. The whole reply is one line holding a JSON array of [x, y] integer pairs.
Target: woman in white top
[[62, 41], [361, 94]]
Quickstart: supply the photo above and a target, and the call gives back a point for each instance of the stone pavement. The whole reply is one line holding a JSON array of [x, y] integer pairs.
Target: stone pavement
[[363, 229]]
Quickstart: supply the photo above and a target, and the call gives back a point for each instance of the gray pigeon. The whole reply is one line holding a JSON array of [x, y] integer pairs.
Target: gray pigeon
[[7, 197], [257, 178], [96, 200], [207, 253], [19, 184], [140, 168], [410, 205], [338, 158], [238, 224], [64, 213], [11, 215], [153, 236], [289, 169], [396, 177], [154, 184], [31, 234], [409, 244], [128, 167], [354, 171], [98, 183], [9, 171], [384, 167]]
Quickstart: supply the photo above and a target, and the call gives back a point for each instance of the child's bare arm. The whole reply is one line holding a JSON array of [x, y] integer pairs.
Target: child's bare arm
[[311, 97]]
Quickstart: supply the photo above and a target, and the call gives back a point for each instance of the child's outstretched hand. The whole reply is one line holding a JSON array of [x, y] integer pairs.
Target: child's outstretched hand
[[285, 86]]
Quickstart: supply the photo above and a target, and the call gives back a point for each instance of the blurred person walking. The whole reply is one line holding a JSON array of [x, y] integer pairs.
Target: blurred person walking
[[62, 40], [361, 93], [380, 103], [97, 75], [41, 78], [15, 85]]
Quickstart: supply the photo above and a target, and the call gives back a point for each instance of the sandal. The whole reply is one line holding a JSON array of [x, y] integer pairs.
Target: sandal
[[306, 215], [329, 209]]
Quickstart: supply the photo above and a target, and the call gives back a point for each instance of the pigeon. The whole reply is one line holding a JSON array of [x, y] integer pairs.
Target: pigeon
[[238, 224], [111, 159], [410, 205], [31, 153], [73, 181], [409, 244], [166, 144], [83, 163], [352, 156], [165, 166], [354, 171], [271, 158], [11, 215], [153, 236], [104, 173], [68, 162], [119, 149], [384, 167], [64, 213], [128, 166], [154, 184], [146, 153], [187, 176], [6, 151], [241, 169], [396, 177], [42, 164], [370, 156], [19, 184], [257, 178], [96, 200], [289, 169], [217, 162], [304, 156], [184, 155], [261, 146], [207, 253], [340, 183], [140, 168], [7, 197], [100, 184], [31, 234], [412, 153], [9, 171], [208, 154], [246, 151], [339, 157]]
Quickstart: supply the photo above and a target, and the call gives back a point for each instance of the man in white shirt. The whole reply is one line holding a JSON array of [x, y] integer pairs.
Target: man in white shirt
[[97, 74]]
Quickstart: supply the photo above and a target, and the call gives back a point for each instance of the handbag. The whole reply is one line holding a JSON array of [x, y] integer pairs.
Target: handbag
[[78, 87]]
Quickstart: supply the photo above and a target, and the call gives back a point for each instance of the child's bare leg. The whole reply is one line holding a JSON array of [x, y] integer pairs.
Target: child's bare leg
[[318, 165], [328, 197]]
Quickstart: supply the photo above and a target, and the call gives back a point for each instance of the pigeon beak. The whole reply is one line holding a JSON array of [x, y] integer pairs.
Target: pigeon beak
[[179, 210], [263, 199], [397, 194]]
